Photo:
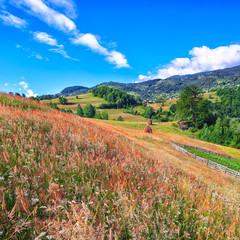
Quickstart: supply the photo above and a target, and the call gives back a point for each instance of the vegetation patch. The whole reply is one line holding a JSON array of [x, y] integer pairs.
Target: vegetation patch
[[21, 103], [234, 164]]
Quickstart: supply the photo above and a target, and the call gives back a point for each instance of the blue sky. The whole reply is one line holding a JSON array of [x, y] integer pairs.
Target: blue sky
[[47, 45]]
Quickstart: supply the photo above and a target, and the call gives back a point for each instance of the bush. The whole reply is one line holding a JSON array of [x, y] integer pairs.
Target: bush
[[79, 111], [105, 115], [120, 119], [62, 100], [89, 111]]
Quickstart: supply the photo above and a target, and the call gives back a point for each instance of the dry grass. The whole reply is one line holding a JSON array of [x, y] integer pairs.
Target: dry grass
[[65, 177]]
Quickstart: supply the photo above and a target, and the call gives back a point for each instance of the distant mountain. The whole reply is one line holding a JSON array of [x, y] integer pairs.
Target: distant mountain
[[74, 90], [151, 89]]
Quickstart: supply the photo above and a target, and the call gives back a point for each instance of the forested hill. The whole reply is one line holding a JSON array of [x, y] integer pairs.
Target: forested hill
[[172, 86], [74, 90], [208, 80]]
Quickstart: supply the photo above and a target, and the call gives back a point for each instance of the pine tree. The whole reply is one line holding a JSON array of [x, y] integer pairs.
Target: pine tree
[[79, 111], [89, 111]]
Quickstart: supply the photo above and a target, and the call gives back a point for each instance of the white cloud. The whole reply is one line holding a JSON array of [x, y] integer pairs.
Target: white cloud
[[30, 93], [62, 52], [6, 84], [89, 40], [37, 56], [68, 6], [46, 38], [52, 17], [202, 59], [12, 20], [118, 59], [48, 11], [23, 84]]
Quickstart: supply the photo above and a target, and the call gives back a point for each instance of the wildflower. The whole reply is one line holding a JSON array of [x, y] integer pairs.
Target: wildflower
[[50, 237], [34, 200], [1, 178]]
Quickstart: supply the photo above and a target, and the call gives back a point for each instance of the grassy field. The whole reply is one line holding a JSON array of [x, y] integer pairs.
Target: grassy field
[[234, 164], [66, 177], [95, 101], [83, 100]]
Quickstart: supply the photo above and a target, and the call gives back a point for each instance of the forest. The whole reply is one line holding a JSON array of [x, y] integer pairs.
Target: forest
[[217, 122], [116, 98]]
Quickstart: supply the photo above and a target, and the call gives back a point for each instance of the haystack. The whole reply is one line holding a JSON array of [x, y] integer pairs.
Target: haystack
[[147, 130], [149, 122]]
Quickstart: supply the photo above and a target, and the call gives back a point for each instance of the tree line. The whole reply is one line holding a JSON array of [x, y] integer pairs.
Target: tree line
[[116, 98], [217, 122]]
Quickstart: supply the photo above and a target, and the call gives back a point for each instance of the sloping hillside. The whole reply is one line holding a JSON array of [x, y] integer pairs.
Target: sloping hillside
[[64, 177], [170, 86], [152, 89]]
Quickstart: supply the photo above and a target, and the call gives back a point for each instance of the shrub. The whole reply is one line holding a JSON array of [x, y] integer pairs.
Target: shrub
[[120, 119]]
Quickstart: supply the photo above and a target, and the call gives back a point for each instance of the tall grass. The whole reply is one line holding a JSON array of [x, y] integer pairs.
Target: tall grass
[[63, 177]]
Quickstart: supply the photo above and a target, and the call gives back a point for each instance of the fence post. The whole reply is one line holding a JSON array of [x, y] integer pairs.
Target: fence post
[[207, 162], [215, 165], [226, 170]]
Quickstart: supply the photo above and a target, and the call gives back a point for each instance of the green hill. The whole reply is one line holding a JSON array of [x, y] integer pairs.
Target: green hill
[[170, 87]]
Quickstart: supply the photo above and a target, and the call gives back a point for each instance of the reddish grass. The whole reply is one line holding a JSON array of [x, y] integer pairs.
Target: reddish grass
[[73, 178]]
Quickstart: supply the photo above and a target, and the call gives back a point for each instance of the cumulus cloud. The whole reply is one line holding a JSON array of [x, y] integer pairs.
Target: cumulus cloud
[[52, 17], [12, 20], [23, 84], [201, 59], [30, 93], [46, 38], [89, 40], [6, 84], [118, 59]]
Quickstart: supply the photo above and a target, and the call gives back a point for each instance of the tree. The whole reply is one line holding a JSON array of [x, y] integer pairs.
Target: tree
[[53, 105], [89, 111], [120, 119], [149, 112], [104, 115], [62, 100], [79, 111], [192, 107]]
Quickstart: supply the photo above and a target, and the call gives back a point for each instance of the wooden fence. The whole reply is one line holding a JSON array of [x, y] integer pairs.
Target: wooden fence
[[208, 162]]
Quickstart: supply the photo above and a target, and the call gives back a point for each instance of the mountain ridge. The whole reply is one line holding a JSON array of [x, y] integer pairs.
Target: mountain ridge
[[171, 86]]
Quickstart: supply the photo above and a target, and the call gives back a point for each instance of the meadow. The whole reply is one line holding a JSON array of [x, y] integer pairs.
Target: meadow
[[83, 100], [66, 177], [234, 164]]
